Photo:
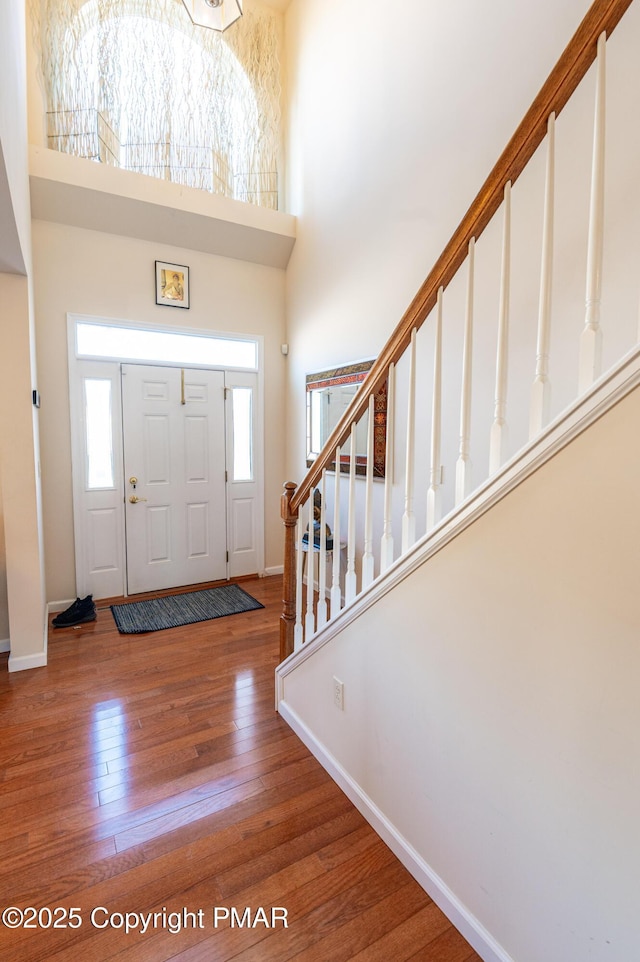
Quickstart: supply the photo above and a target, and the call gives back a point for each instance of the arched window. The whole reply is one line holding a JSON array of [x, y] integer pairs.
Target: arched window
[[135, 84]]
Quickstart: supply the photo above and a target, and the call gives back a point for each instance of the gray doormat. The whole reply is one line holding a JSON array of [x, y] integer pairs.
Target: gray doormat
[[184, 609]]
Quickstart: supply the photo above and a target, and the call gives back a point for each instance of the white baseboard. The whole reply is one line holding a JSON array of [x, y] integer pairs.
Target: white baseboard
[[466, 923], [37, 660], [274, 570], [24, 662], [53, 607]]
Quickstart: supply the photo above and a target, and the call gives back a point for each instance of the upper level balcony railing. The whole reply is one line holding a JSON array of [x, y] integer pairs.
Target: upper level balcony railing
[[89, 134]]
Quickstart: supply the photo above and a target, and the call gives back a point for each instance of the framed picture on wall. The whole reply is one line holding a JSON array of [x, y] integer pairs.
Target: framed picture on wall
[[172, 285]]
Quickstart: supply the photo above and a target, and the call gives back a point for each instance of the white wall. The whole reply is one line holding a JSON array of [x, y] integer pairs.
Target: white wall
[[14, 200], [88, 272], [12, 185], [22, 593], [491, 708]]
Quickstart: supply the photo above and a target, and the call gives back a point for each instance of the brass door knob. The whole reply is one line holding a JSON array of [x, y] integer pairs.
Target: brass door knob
[[134, 499]]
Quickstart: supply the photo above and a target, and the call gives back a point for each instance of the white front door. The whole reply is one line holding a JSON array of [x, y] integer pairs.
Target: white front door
[[174, 476]]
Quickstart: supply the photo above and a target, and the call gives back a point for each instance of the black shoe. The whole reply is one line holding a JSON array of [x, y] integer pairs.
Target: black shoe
[[82, 610]]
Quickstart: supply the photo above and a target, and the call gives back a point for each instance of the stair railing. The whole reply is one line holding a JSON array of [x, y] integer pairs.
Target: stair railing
[[298, 510]]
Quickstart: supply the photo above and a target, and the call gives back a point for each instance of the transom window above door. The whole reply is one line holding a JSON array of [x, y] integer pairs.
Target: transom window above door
[[120, 342]]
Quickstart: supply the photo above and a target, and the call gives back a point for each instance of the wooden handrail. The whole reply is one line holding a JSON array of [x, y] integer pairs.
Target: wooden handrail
[[602, 17]]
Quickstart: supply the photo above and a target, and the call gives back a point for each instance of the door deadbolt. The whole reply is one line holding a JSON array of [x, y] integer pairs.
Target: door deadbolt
[[133, 481]]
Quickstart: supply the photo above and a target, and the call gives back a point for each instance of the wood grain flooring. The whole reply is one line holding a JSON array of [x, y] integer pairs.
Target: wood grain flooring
[[146, 781]]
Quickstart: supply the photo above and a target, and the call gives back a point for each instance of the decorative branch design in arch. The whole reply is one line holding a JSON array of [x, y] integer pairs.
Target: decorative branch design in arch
[[135, 84]]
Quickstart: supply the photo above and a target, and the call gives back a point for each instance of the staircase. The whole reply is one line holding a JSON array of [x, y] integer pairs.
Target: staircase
[[494, 308], [467, 674]]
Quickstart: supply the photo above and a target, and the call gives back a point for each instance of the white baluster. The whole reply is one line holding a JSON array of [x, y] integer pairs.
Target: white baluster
[[336, 593], [298, 636], [541, 390], [386, 542], [350, 577], [591, 339], [367, 557], [435, 475], [309, 621], [463, 464], [322, 562], [408, 518], [499, 428]]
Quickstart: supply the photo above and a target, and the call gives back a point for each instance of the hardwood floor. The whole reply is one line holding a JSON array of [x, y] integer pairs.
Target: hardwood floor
[[151, 774]]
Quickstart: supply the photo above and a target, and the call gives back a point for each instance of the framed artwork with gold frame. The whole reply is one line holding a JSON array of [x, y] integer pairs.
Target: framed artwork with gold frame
[[172, 285]]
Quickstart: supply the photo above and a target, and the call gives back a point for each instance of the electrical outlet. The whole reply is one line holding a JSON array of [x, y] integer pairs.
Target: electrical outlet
[[338, 693]]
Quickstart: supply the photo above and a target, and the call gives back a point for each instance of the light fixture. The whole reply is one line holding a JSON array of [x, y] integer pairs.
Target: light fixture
[[215, 14]]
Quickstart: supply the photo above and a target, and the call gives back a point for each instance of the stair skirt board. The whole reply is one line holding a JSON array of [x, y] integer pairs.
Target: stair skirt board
[[604, 394], [466, 923]]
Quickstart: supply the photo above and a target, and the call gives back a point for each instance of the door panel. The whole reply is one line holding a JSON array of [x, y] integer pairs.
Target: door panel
[[104, 547], [157, 448], [196, 449], [197, 530], [174, 448], [158, 532], [243, 524]]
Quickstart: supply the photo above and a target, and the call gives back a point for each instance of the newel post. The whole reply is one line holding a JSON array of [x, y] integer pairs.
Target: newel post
[[288, 617]]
